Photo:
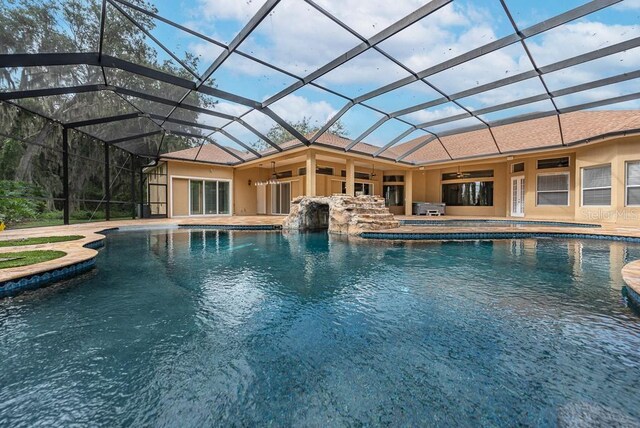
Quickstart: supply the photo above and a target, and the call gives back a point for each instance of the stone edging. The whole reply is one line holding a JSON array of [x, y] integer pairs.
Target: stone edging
[[445, 223], [631, 275], [439, 236], [230, 226], [41, 279], [45, 275]]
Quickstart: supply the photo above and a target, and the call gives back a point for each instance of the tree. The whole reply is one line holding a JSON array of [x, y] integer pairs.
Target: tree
[[34, 26], [280, 135]]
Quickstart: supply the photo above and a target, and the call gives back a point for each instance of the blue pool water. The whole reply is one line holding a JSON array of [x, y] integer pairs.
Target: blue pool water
[[202, 328]]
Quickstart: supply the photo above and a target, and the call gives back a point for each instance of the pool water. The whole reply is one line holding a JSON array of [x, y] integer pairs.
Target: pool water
[[200, 328]]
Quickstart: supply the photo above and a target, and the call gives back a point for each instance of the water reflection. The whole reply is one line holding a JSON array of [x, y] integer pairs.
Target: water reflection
[[204, 327]]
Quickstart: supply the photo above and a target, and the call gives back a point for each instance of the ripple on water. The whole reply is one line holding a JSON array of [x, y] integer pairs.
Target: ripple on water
[[197, 328]]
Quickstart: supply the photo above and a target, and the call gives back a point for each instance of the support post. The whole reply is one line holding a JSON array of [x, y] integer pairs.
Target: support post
[[141, 192], [408, 192], [132, 166], [65, 174], [311, 174], [351, 178], [107, 183]]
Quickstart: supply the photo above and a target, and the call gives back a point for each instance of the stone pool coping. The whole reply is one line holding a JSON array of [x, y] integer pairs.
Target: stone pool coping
[[80, 254], [631, 275]]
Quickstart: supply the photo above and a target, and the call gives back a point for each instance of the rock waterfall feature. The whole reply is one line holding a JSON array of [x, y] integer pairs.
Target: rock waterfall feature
[[340, 214]]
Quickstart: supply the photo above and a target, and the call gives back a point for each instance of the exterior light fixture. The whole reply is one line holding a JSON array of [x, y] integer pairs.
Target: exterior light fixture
[[273, 179]]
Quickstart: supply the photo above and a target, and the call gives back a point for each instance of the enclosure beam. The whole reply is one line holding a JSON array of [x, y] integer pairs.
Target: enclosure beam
[[65, 174], [107, 183]]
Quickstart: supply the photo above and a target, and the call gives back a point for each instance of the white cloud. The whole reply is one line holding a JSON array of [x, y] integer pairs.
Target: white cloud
[[298, 38], [423, 116], [239, 10], [294, 108], [628, 5]]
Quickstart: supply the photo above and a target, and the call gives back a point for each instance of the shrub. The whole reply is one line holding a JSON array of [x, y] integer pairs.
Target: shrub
[[15, 202]]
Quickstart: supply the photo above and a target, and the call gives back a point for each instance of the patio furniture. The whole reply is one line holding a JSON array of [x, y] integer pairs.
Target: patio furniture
[[428, 208]]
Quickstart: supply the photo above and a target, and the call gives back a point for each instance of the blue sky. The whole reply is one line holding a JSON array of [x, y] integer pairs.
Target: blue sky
[[299, 39]]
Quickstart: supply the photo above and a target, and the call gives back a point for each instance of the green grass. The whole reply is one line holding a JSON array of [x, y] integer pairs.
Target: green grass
[[39, 240], [25, 258], [27, 224]]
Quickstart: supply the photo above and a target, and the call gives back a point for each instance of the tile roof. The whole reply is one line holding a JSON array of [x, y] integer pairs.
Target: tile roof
[[525, 135], [208, 153]]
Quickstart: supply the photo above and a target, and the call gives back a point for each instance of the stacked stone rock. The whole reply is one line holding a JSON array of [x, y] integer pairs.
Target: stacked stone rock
[[348, 215]]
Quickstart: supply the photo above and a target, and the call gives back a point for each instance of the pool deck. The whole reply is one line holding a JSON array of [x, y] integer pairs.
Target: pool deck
[[77, 251]]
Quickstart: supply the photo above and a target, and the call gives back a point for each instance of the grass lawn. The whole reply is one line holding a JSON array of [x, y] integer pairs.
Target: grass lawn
[[25, 258], [39, 240], [56, 222]]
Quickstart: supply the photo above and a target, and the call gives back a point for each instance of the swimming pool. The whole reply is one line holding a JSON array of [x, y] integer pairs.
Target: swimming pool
[[203, 327]]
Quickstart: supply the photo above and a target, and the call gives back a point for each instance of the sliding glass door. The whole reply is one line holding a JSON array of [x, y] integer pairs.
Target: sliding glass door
[[280, 198], [209, 197], [196, 198]]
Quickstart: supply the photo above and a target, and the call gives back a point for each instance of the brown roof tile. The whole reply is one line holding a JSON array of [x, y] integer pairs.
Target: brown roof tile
[[531, 134], [585, 124], [208, 153], [478, 142], [433, 151]]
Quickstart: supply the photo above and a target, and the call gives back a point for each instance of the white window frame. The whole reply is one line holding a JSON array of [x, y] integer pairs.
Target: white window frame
[[280, 183], [513, 166], [555, 167], [582, 188], [191, 178], [627, 186], [568, 204]]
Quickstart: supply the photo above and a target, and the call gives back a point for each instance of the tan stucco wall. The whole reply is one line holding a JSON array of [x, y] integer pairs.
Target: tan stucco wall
[[427, 183], [428, 188], [245, 193], [530, 181], [180, 197], [179, 173], [617, 153]]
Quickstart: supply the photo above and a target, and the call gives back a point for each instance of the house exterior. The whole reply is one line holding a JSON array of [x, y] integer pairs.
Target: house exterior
[[589, 173]]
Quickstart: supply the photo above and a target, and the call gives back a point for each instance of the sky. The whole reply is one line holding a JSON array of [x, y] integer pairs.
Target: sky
[[299, 39]]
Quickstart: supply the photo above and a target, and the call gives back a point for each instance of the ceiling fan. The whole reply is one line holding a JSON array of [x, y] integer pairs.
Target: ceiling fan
[[461, 174]]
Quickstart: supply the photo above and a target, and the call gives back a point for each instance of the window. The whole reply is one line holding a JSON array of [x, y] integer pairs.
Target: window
[[322, 170], [393, 178], [633, 183], [553, 189], [358, 175], [517, 167], [488, 173], [553, 163], [393, 195], [280, 198], [596, 185], [224, 196], [209, 197], [359, 188], [475, 193]]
